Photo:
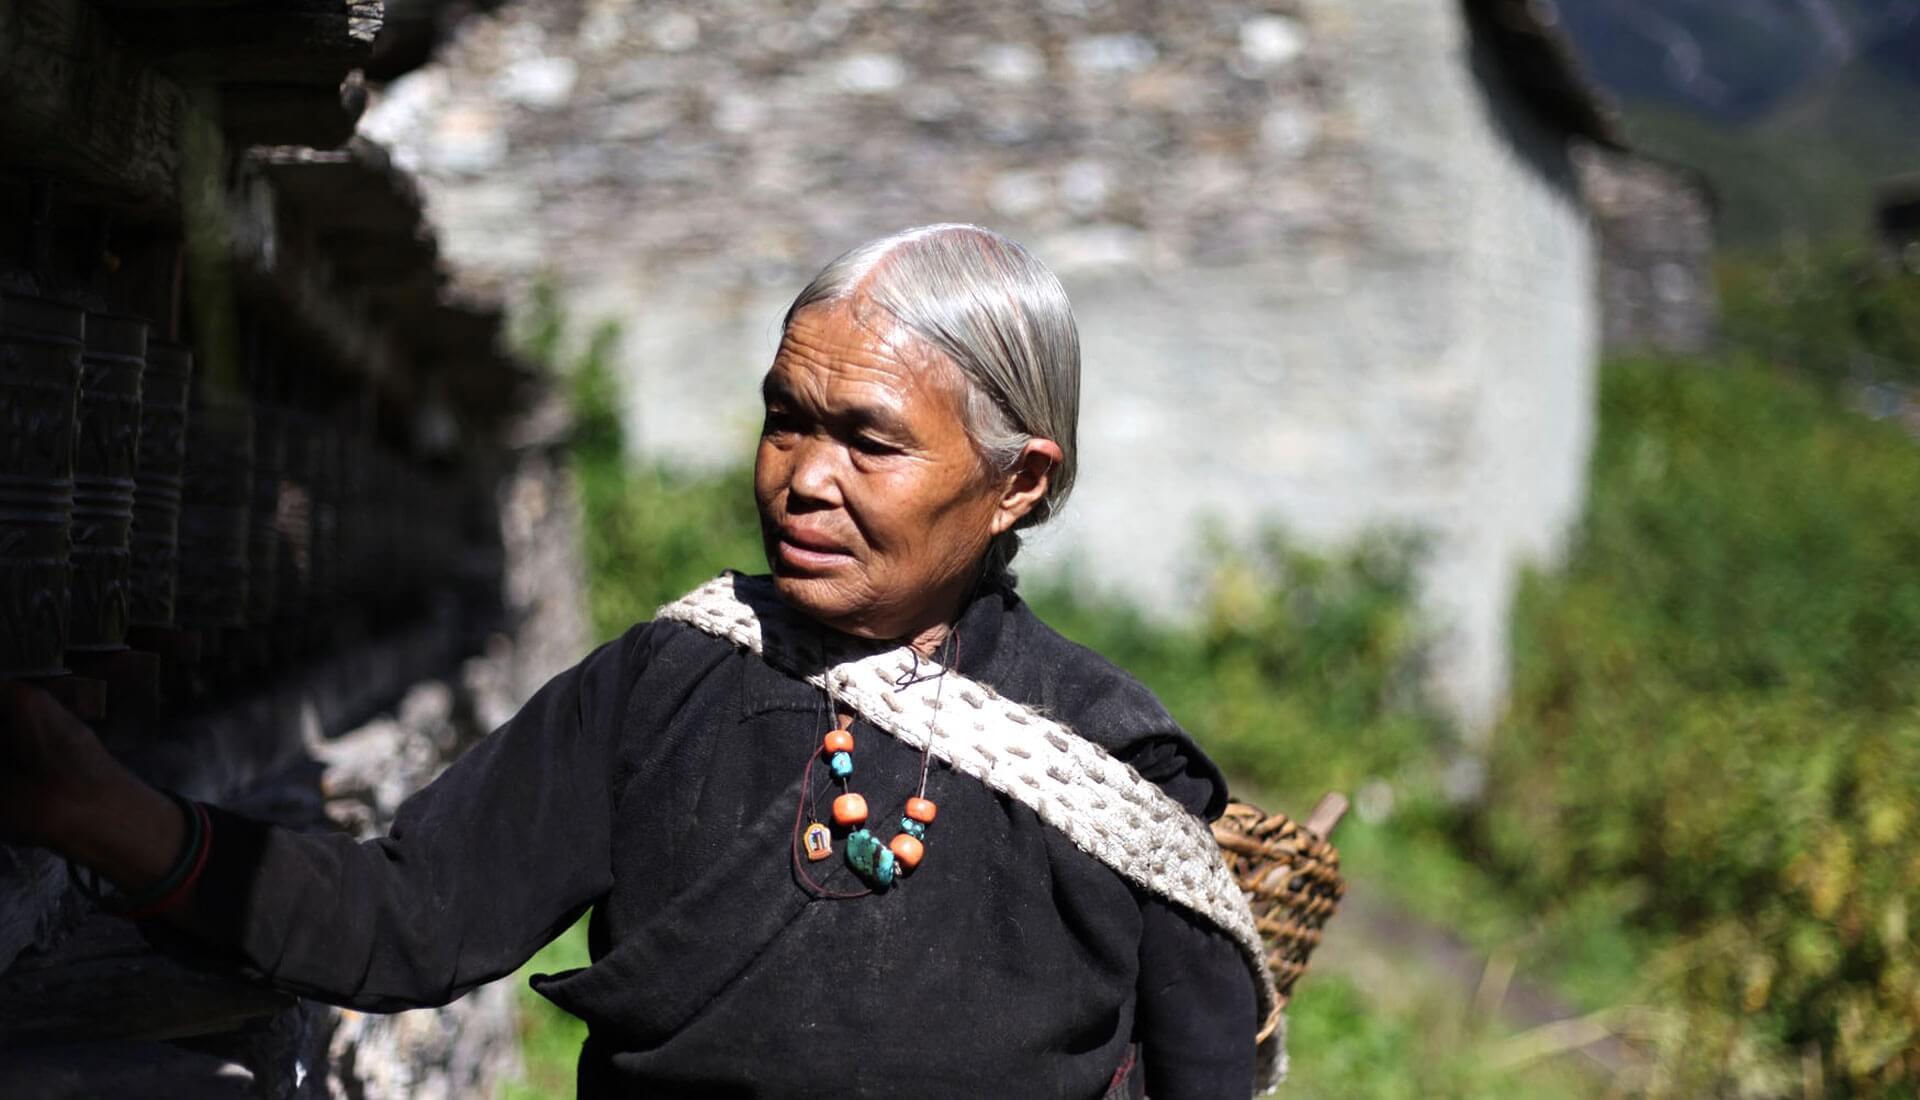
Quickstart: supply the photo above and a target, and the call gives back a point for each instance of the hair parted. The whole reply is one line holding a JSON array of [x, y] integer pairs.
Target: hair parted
[[1001, 317]]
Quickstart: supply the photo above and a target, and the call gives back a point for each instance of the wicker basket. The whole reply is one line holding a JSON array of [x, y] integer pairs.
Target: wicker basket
[[1291, 877]]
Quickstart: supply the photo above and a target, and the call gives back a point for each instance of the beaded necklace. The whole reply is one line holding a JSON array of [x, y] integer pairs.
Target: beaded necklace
[[878, 865]]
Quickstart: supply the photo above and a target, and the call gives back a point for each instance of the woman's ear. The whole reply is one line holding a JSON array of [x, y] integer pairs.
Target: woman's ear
[[1027, 486]]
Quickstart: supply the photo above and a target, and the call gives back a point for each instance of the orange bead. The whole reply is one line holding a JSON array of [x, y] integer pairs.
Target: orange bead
[[849, 809], [907, 850], [921, 810], [839, 741]]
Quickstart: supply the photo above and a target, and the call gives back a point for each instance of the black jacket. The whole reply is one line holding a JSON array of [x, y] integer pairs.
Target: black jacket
[[657, 781]]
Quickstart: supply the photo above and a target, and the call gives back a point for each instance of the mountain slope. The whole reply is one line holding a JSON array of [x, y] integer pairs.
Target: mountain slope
[[1737, 59], [1795, 109]]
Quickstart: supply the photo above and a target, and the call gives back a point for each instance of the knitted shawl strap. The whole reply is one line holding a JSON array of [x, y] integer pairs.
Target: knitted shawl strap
[[1102, 805]]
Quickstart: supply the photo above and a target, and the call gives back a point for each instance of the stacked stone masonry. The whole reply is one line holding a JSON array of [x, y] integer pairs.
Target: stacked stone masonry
[[1655, 223]]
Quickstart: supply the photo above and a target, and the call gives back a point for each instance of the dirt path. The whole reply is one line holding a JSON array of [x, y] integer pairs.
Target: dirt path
[[1394, 956]]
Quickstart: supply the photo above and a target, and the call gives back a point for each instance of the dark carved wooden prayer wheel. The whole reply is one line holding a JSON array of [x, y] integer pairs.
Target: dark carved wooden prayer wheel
[[323, 580], [389, 527], [350, 529], [434, 552], [157, 474], [216, 497], [399, 525], [40, 344], [263, 538], [293, 520], [105, 444]]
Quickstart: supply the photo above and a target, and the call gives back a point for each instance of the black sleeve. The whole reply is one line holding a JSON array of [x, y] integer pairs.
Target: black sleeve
[[481, 867], [1197, 1008]]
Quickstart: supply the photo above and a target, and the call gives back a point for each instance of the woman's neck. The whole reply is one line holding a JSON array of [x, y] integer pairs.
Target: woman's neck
[[927, 642], [927, 639]]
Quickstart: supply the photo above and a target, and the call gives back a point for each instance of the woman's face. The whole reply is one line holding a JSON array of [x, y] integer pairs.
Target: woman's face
[[874, 505]]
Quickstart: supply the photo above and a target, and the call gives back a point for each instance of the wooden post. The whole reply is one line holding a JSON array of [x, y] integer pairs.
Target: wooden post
[[1326, 814]]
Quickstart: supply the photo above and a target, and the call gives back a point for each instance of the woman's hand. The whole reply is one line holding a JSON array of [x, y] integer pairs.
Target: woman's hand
[[61, 789], [51, 765]]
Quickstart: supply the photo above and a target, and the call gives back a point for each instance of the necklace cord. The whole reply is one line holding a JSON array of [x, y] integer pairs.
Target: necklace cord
[[799, 861]]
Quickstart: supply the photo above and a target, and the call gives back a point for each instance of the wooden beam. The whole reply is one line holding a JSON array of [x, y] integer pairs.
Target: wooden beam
[[402, 302], [140, 5], [352, 189], [380, 258], [75, 103], [291, 114], [268, 41]]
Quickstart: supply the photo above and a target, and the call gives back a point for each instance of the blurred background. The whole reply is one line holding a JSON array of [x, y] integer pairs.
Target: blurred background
[[1501, 411]]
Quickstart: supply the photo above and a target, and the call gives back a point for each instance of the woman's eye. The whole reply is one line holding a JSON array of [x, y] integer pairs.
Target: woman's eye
[[867, 444]]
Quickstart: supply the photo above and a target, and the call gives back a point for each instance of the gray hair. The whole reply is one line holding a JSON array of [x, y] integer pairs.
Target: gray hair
[[999, 315]]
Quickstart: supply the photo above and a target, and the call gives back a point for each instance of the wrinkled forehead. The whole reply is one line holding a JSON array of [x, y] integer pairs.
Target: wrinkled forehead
[[854, 339]]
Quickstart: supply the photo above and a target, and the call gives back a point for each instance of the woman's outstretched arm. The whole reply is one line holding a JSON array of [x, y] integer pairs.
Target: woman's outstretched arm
[[496, 856]]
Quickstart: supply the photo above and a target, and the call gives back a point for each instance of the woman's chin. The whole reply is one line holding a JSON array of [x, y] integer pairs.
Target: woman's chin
[[830, 600]]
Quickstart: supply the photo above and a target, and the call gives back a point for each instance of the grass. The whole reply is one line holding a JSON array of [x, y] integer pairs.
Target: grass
[[550, 1038]]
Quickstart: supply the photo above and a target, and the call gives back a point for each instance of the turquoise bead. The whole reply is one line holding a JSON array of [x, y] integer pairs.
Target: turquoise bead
[[842, 764], [915, 829], [869, 858], [862, 847]]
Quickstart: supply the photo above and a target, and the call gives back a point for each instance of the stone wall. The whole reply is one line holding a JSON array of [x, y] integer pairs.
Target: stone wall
[[741, 143], [1896, 220], [1656, 253], [1331, 272]]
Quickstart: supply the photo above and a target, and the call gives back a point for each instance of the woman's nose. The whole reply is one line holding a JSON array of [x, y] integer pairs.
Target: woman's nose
[[815, 471]]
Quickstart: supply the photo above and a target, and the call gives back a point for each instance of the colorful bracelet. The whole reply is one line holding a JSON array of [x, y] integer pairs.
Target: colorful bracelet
[[171, 888]]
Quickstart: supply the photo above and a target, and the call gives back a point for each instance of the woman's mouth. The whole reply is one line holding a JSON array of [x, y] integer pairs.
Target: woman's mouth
[[806, 551]]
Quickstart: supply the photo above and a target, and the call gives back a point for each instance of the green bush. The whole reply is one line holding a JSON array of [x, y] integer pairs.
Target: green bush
[[1832, 312], [1302, 673], [650, 533], [550, 1037], [1715, 707]]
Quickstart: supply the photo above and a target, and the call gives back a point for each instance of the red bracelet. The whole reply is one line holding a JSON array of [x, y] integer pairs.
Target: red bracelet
[[172, 899]]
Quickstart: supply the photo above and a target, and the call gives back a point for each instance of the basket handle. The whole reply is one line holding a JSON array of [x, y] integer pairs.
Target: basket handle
[[1326, 814]]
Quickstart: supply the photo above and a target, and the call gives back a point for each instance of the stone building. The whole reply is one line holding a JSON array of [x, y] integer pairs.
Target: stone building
[[1896, 221], [268, 516], [1331, 261], [1655, 221]]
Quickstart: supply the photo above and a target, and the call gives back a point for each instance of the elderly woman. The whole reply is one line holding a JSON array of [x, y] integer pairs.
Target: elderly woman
[[865, 827]]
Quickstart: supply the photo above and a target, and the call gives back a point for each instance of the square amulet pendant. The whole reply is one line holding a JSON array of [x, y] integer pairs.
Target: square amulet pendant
[[818, 842]]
